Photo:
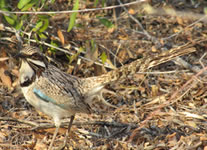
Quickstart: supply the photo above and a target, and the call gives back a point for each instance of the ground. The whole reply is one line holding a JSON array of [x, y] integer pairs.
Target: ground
[[161, 108]]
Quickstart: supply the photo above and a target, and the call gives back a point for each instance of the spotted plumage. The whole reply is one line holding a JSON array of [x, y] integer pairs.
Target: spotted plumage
[[59, 95]]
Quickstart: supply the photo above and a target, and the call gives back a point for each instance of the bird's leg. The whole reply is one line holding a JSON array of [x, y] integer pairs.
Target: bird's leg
[[53, 138], [69, 127], [67, 133]]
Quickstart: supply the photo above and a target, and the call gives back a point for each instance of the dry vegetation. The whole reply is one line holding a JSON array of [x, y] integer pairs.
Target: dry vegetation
[[163, 108]]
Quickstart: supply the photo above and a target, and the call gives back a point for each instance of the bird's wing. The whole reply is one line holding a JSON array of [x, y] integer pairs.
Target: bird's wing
[[61, 89]]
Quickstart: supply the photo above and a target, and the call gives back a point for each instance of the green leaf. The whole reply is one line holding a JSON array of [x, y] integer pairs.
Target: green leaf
[[41, 35], [95, 2], [73, 16], [103, 2], [22, 3], [19, 25], [42, 24], [10, 20], [36, 38], [205, 10], [103, 57], [45, 25], [43, 17], [74, 57], [79, 25], [28, 6], [2, 4], [106, 22], [93, 45], [14, 17], [53, 50], [24, 17], [38, 25], [53, 1], [43, 1]]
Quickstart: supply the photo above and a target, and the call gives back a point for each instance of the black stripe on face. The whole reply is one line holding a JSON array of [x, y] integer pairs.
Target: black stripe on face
[[28, 81], [37, 56]]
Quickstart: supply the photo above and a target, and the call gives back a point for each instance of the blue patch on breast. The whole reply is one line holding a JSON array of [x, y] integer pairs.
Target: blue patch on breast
[[45, 98], [41, 95]]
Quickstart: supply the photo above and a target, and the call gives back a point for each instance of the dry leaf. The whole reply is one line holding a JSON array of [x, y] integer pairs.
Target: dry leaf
[[191, 115], [110, 64], [110, 30], [154, 49], [2, 136], [122, 55], [155, 90], [130, 54], [191, 123], [140, 50], [176, 30], [61, 36], [39, 135], [99, 70], [159, 99], [131, 11], [179, 20], [40, 145], [123, 37], [70, 69], [203, 137], [1, 26], [4, 59], [138, 77], [172, 139], [6, 80], [162, 41]]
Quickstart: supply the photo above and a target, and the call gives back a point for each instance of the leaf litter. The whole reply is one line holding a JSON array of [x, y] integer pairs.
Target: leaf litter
[[179, 123]]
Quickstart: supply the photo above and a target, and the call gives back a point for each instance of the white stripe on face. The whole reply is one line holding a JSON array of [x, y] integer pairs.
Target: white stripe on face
[[37, 62]]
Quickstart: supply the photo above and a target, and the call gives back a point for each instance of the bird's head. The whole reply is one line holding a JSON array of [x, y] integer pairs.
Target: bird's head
[[33, 56], [33, 63]]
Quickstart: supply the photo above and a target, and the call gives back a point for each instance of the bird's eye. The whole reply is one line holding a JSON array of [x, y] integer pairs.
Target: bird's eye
[[35, 56]]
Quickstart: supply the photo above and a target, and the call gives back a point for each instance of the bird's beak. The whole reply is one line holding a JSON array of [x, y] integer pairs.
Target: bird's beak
[[19, 55]]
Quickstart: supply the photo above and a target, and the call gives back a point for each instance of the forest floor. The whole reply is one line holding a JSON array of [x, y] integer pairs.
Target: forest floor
[[162, 108]]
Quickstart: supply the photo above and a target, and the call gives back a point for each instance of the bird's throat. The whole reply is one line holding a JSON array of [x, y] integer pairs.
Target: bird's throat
[[28, 82]]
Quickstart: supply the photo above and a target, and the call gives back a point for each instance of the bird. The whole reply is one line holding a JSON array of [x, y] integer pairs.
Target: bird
[[60, 95], [48, 89]]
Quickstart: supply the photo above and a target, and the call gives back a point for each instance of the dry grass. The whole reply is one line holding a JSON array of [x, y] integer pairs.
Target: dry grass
[[163, 108]]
